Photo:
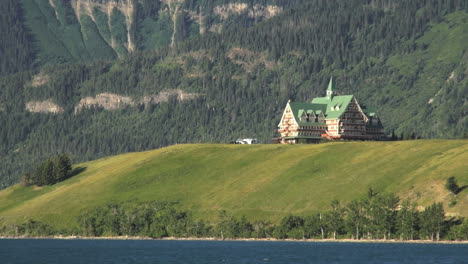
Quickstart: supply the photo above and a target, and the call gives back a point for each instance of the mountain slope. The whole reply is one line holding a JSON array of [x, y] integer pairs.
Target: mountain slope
[[16, 46], [87, 30], [260, 181], [216, 87]]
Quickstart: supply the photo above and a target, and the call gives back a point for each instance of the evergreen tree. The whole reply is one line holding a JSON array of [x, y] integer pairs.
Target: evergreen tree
[[334, 218], [38, 175], [432, 221], [407, 221], [63, 167], [312, 226], [452, 185], [48, 173], [356, 217], [51, 171]]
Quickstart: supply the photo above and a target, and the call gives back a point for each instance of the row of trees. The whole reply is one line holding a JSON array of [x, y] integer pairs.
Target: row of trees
[[49, 172], [152, 219], [379, 216]]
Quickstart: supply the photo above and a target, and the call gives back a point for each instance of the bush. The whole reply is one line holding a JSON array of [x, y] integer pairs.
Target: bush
[[296, 233], [452, 185]]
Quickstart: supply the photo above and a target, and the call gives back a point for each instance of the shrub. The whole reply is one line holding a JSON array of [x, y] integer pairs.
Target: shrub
[[451, 185]]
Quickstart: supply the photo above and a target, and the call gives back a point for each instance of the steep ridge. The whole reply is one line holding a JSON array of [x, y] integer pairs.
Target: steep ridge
[[259, 181], [126, 7], [103, 29]]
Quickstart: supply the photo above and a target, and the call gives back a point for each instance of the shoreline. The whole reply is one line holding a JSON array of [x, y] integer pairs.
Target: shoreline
[[381, 241]]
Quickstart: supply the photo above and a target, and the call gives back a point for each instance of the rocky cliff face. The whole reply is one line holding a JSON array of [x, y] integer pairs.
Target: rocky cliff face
[[110, 101], [46, 106], [102, 29], [255, 11], [107, 101]]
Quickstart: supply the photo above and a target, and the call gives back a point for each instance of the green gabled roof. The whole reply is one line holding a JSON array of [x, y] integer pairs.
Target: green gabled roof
[[299, 108], [331, 106], [341, 101], [322, 105]]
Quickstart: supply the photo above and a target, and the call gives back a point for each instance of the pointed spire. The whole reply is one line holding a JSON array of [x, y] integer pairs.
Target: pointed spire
[[331, 87]]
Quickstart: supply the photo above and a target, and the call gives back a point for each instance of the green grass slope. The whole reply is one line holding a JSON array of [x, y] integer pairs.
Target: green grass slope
[[259, 181]]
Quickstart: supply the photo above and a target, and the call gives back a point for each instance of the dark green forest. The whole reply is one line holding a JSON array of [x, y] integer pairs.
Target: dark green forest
[[406, 59]]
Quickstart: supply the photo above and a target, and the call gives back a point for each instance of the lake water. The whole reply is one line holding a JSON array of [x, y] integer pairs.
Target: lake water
[[156, 251]]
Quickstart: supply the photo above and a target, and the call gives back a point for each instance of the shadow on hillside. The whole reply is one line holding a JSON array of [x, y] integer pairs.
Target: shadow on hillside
[[461, 189], [77, 171]]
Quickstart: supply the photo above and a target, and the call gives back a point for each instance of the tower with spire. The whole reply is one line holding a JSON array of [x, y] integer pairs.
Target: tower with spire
[[332, 117], [331, 87]]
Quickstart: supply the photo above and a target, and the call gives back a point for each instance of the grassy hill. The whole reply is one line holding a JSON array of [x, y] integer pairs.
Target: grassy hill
[[405, 59], [259, 181]]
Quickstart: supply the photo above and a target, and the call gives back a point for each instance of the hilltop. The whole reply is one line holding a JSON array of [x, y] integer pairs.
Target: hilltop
[[78, 80], [258, 181]]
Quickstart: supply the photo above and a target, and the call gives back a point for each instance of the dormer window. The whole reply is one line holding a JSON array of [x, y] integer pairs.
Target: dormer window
[[375, 121], [321, 118], [312, 117], [304, 117]]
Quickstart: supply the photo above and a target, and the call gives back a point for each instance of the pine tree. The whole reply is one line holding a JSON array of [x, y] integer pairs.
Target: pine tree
[[356, 217], [48, 173], [334, 218], [63, 167], [452, 185], [407, 221], [432, 221]]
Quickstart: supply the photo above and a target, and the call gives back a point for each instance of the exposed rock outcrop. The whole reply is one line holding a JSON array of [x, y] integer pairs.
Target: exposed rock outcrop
[[216, 28], [266, 12], [225, 11], [46, 106], [126, 7], [164, 96], [257, 11], [108, 101], [451, 77], [39, 79], [249, 59], [197, 55], [173, 8]]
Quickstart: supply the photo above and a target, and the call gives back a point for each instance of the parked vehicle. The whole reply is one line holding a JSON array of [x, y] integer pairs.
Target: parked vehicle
[[246, 141]]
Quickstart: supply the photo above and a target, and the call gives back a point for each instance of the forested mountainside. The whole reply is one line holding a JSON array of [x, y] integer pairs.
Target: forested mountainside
[[16, 46], [84, 30], [407, 59]]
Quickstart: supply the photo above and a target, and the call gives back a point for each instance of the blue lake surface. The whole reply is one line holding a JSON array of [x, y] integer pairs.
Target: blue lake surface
[[157, 251]]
